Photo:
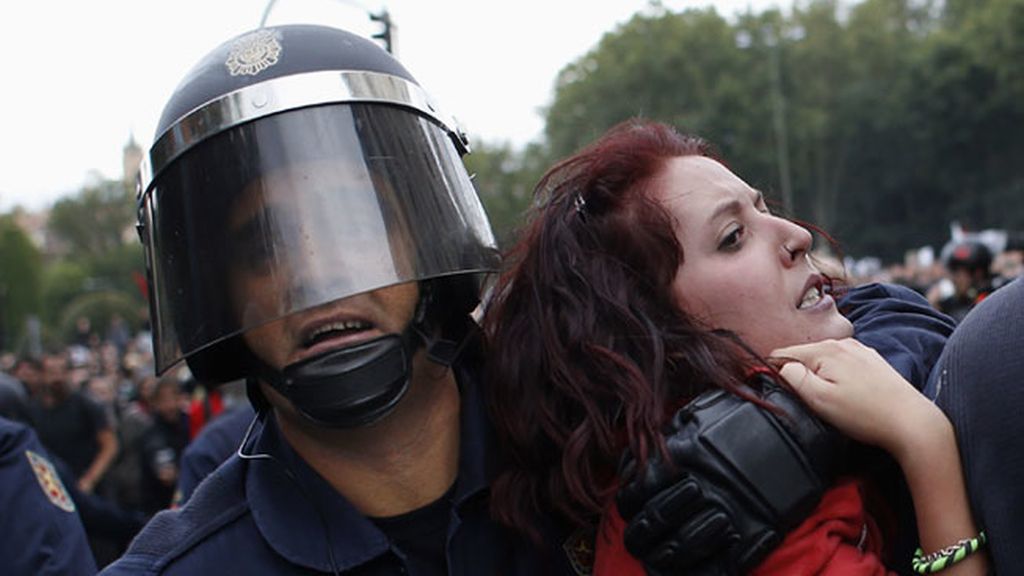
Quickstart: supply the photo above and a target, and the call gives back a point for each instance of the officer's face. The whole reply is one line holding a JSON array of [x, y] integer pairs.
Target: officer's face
[[295, 250], [744, 269]]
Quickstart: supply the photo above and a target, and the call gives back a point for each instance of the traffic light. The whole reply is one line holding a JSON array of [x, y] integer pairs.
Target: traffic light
[[385, 35]]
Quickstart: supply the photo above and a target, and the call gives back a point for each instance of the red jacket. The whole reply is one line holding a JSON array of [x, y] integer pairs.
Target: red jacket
[[837, 539]]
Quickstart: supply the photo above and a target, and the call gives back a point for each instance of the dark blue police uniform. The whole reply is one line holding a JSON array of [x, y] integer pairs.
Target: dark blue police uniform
[[978, 383], [272, 514], [900, 324], [218, 440], [41, 531]]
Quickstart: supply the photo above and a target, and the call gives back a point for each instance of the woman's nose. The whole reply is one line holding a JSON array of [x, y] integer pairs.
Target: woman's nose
[[796, 241]]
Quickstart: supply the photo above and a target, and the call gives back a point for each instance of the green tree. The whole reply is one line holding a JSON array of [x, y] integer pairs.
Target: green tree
[[971, 105], [94, 221], [882, 120], [63, 281], [815, 55], [102, 256], [505, 178], [884, 203], [685, 69], [21, 270]]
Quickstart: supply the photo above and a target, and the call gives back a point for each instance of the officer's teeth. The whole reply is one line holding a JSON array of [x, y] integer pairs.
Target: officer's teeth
[[811, 297], [346, 326]]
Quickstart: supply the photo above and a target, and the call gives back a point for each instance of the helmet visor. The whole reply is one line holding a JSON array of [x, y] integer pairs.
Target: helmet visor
[[299, 209]]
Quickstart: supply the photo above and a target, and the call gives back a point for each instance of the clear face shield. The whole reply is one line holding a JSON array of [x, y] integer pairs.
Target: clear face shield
[[300, 209]]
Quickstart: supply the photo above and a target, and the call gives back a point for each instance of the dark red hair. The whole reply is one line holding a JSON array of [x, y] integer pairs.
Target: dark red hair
[[587, 348]]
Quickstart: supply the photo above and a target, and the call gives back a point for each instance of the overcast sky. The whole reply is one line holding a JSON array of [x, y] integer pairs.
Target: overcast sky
[[81, 77]]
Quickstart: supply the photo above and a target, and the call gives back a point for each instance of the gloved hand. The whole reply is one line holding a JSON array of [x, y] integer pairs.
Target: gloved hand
[[740, 477]]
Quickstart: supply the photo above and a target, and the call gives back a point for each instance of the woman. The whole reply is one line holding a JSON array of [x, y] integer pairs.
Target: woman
[[650, 273]]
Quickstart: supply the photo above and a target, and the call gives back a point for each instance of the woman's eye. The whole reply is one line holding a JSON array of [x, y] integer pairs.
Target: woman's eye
[[732, 239]]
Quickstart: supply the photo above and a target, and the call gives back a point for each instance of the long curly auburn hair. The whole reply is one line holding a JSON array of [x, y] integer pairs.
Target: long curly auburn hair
[[588, 350]]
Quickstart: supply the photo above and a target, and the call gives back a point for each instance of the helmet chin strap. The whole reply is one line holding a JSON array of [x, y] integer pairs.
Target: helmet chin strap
[[348, 387], [361, 384]]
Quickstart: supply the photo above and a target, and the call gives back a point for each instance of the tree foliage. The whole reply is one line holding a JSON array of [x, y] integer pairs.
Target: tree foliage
[[882, 121], [21, 269], [504, 178], [94, 221], [99, 258]]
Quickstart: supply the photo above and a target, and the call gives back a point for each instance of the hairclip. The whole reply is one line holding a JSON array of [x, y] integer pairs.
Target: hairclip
[[580, 204]]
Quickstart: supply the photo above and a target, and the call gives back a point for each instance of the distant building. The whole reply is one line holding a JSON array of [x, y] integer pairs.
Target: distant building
[[34, 225], [131, 158]]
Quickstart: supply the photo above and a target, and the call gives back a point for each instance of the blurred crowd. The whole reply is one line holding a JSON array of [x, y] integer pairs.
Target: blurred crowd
[[963, 274], [115, 430], [118, 431]]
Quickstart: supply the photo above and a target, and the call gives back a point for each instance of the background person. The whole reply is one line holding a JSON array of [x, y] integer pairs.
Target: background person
[[29, 370], [14, 399], [72, 426], [970, 273], [162, 445]]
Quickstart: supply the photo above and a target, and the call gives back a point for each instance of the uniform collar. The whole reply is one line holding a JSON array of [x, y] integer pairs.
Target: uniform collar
[[300, 515], [476, 437], [293, 506]]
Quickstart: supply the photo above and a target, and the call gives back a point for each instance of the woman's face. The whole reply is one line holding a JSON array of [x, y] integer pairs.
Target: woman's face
[[743, 269]]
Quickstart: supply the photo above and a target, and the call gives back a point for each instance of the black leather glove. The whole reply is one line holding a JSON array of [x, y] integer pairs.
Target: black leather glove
[[740, 477]]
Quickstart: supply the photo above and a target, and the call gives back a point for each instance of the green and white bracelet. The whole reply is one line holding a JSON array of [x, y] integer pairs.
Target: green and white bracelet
[[946, 557]]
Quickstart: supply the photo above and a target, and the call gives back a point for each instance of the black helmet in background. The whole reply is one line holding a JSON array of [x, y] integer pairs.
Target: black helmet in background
[[310, 156], [969, 255]]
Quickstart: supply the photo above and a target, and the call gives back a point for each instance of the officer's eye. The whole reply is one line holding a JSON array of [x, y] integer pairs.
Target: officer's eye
[[250, 248]]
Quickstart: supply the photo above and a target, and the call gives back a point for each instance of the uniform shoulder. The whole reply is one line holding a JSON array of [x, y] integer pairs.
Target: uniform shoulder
[[171, 534], [222, 436], [41, 528], [876, 290], [13, 434]]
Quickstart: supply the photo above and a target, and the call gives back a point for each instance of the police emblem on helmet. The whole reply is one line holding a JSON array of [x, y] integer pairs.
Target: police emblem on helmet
[[253, 53]]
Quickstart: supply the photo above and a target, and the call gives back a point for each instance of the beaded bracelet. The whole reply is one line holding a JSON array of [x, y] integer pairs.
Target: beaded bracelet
[[941, 559]]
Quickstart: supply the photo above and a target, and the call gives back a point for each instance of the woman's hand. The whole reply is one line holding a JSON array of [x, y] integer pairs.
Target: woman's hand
[[854, 388]]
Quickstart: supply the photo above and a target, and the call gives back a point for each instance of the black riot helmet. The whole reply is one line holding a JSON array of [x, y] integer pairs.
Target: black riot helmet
[[969, 255], [295, 166]]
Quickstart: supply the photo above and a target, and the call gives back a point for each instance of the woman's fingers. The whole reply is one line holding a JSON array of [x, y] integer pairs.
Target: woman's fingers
[[805, 383], [852, 387], [835, 360]]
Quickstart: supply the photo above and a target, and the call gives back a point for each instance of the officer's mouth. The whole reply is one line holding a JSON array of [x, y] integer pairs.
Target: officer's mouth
[[330, 334]]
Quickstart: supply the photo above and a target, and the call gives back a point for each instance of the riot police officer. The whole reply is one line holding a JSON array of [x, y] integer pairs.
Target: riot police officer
[[969, 264], [309, 226]]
